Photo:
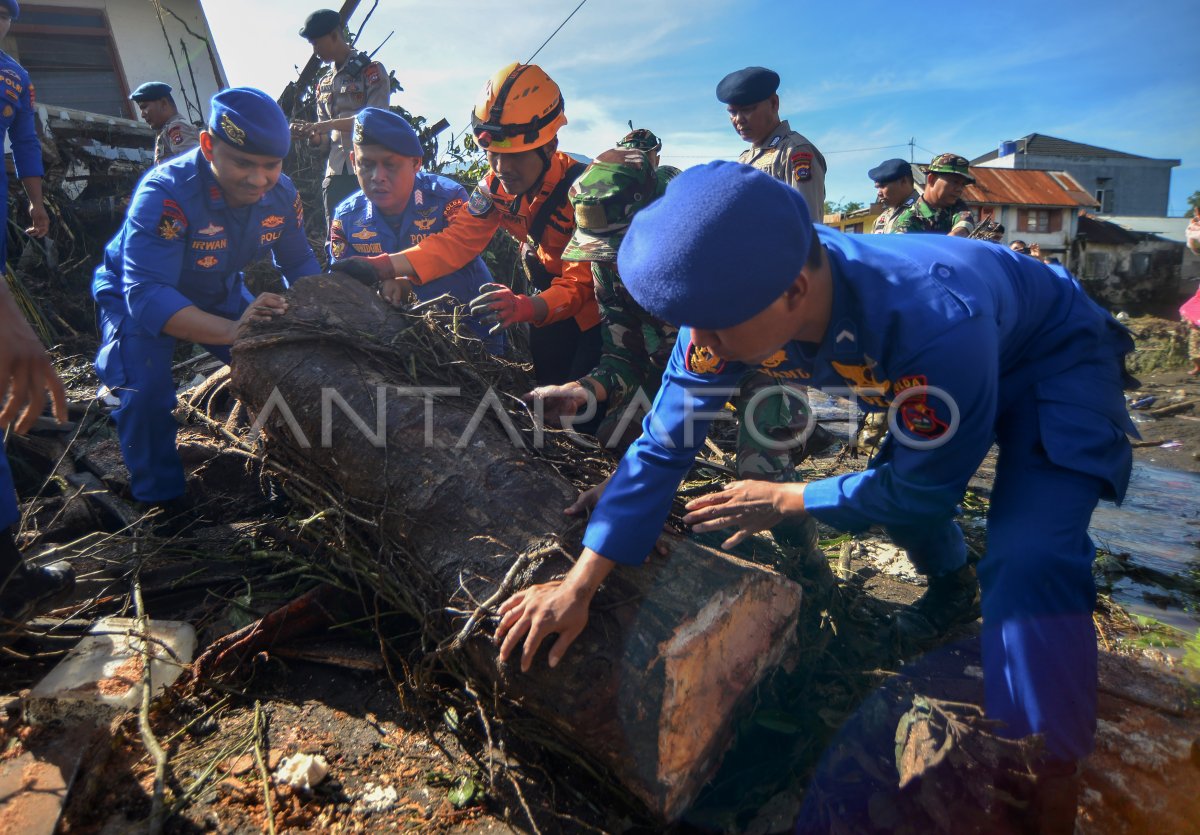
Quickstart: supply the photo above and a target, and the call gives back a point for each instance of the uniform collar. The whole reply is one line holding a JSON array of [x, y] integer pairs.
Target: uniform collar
[[781, 130], [208, 183]]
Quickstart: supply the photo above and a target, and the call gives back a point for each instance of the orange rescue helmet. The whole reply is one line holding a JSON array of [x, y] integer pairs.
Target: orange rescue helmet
[[519, 109]]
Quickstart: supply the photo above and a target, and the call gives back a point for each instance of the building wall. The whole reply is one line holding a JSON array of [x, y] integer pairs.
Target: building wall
[[1139, 186], [1140, 278], [1050, 242], [143, 53], [862, 221]]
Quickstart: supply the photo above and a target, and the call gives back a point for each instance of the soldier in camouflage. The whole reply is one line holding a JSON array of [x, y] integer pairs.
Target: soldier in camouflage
[[641, 139], [775, 427], [940, 208]]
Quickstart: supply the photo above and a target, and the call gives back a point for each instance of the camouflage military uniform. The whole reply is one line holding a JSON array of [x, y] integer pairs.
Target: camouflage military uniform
[[885, 222], [177, 136], [921, 217], [790, 157], [636, 345]]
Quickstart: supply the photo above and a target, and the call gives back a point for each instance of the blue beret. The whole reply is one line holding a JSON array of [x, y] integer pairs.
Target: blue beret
[[151, 91], [890, 169], [320, 23], [748, 86], [250, 121], [722, 244], [376, 126], [14, 8]]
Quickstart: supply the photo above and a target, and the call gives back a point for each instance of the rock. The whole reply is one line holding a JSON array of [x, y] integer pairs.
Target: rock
[[302, 771]]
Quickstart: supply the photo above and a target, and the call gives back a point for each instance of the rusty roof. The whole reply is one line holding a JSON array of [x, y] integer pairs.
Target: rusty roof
[[1026, 187]]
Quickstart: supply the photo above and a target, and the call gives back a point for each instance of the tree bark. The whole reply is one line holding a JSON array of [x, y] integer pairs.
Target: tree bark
[[672, 647]]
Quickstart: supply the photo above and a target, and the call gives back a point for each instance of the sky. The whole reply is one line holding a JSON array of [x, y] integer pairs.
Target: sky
[[860, 80]]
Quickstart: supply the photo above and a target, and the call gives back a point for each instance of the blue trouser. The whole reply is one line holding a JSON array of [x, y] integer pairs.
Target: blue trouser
[[1039, 645], [136, 367], [9, 514], [1056, 460]]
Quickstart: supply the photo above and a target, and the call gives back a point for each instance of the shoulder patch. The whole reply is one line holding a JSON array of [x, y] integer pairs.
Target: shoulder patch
[[176, 135], [373, 74], [172, 223], [802, 165], [701, 360], [480, 204]]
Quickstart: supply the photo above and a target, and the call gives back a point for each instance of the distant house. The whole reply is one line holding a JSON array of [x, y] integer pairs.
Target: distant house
[[1122, 183], [1128, 268], [860, 221], [1038, 207]]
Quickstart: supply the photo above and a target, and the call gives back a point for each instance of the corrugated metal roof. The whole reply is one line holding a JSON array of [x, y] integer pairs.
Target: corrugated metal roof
[[1026, 187], [1038, 144], [1099, 231]]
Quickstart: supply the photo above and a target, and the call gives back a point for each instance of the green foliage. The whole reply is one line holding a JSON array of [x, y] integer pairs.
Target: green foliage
[[463, 160], [1193, 203], [844, 208]]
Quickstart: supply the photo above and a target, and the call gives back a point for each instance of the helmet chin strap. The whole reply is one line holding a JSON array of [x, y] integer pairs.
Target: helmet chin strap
[[545, 157]]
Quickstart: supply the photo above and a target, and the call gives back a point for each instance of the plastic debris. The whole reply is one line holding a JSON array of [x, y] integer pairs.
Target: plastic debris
[[377, 799], [1144, 402], [302, 771], [1171, 445]]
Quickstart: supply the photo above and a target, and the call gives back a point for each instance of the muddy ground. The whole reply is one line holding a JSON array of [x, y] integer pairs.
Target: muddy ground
[[817, 743]]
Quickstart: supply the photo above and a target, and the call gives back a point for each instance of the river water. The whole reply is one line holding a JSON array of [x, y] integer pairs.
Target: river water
[[1158, 526]]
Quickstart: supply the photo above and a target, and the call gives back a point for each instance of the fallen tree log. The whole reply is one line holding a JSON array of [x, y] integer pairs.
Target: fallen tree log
[[460, 513]]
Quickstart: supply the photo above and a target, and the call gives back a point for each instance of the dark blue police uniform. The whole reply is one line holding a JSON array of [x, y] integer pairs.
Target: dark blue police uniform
[[17, 120], [965, 344], [180, 246], [358, 228]]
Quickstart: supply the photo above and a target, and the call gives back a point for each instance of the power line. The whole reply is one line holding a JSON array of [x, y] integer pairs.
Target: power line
[[555, 32], [825, 153], [530, 59]]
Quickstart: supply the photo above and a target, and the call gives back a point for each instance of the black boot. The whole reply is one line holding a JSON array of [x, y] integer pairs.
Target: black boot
[[171, 517], [1046, 800], [951, 599], [27, 591]]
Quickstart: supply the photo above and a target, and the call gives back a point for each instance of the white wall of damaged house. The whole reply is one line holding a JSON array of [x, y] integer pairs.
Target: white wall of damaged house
[[186, 57]]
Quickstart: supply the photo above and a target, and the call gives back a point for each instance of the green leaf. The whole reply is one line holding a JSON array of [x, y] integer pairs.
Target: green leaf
[[465, 793]]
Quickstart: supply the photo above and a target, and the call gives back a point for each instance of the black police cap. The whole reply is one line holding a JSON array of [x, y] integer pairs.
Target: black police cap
[[748, 86], [320, 23], [151, 91], [888, 170]]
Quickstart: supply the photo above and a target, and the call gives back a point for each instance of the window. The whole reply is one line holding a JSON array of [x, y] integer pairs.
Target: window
[[1139, 264], [1039, 220], [1095, 265], [70, 58], [854, 228], [1104, 196]]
